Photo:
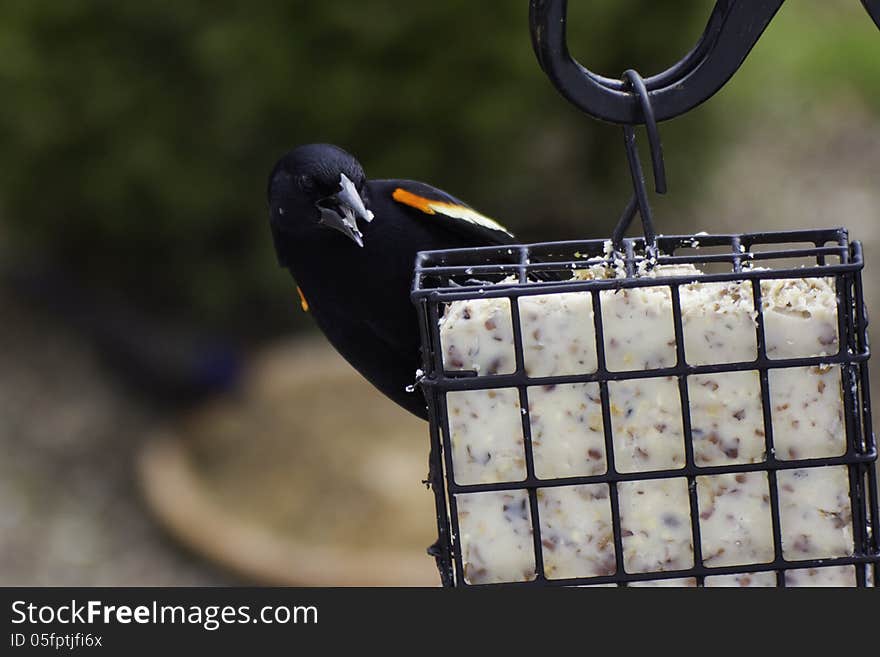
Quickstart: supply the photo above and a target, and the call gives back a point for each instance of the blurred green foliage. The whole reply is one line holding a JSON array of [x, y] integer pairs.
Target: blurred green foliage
[[137, 137]]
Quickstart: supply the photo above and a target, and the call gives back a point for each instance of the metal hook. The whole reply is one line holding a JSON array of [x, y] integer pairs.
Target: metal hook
[[638, 85], [731, 32], [639, 200]]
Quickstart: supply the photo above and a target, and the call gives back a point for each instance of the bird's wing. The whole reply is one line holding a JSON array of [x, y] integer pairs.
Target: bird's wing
[[447, 211]]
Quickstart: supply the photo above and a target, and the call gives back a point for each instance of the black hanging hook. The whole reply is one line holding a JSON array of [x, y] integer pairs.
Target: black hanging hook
[[733, 29], [649, 119], [639, 200], [731, 32]]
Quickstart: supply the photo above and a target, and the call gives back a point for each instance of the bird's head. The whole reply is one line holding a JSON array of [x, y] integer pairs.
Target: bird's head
[[318, 186]]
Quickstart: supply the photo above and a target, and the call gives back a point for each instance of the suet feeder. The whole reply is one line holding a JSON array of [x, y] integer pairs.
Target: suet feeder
[[688, 409]]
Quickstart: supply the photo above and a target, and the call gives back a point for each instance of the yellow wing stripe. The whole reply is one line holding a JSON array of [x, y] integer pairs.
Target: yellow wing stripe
[[430, 206], [302, 300]]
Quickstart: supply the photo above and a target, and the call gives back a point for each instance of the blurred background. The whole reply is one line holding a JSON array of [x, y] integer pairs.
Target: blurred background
[[166, 414]]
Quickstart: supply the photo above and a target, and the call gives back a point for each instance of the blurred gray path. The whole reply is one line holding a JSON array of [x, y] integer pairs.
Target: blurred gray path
[[69, 507]]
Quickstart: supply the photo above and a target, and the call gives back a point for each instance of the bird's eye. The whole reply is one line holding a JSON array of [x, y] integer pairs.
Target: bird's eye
[[306, 183]]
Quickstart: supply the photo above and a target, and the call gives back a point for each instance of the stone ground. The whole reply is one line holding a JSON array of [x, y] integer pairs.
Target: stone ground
[[70, 513]]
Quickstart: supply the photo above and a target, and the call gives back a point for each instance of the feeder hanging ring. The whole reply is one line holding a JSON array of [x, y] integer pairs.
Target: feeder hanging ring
[[733, 29], [639, 200]]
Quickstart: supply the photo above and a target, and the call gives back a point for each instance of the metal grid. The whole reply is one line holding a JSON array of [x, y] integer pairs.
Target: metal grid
[[442, 277]]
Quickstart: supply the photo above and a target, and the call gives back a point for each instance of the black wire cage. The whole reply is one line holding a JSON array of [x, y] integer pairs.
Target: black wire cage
[[750, 261]]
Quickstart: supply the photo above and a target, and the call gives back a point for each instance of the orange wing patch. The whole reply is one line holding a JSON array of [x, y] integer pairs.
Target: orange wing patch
[[302, 300], [430, 206], [414, 201]]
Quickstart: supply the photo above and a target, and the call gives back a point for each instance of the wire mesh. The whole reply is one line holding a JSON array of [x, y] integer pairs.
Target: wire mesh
[[518, 272]]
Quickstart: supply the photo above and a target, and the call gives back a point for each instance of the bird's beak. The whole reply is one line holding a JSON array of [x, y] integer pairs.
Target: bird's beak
[[342, 210]]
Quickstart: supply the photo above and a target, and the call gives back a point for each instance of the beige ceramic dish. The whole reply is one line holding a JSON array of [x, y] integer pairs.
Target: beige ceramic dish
[[307, 477]]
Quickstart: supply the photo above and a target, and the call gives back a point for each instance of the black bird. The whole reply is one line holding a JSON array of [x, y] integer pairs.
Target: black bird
[[351, 243]]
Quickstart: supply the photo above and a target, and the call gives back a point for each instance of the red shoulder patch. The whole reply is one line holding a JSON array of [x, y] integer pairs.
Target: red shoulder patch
[[414, 200], [302, 300]]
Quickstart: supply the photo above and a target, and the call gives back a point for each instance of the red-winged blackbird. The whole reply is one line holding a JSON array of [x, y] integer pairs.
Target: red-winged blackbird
[[351, 245]]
